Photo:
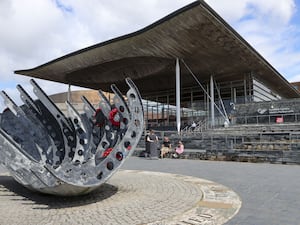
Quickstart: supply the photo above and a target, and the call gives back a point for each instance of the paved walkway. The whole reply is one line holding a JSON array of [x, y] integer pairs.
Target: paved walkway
[[270, 193], [130, 197]]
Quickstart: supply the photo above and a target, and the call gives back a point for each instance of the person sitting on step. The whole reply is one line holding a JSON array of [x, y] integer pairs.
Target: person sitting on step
[[178, 150], [165, 147]]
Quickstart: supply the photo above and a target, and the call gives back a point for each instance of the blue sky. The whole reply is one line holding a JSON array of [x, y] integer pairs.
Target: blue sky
[[34, 32]]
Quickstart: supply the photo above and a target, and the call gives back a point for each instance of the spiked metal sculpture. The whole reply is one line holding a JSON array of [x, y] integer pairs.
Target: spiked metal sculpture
[[50, 152]]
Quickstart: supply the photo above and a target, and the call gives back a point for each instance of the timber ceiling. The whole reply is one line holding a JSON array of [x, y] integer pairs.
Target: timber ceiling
[[195, 33]]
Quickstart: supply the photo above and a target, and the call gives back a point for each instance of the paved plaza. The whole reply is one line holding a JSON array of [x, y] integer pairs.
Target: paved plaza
[[129, 197], [150, 192], [270, 193]]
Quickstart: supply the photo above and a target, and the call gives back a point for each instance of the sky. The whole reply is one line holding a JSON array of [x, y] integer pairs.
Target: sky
[[34, 32]]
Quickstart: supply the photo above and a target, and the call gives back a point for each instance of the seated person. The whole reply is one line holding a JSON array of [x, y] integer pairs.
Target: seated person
[[165, 147], [178, 150]]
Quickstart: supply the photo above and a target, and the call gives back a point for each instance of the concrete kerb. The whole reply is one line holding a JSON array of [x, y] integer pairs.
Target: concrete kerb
[[139, 197]]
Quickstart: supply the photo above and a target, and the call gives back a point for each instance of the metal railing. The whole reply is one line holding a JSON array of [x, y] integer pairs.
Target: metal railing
[[267, 119]]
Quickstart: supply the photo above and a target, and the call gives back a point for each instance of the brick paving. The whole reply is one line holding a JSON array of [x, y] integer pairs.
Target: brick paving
[[270, 192], [129, 197]]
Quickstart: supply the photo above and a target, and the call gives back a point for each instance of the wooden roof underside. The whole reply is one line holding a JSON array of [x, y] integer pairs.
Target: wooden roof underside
[[195, 33]]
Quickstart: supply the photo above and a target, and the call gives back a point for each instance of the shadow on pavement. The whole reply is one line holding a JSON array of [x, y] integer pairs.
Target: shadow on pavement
[[9, 187]]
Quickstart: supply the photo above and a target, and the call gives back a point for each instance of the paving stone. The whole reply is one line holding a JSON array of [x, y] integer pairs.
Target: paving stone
[[129, 197], [269, 192]]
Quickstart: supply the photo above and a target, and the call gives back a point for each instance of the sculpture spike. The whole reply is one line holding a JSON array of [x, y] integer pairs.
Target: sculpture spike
[[68, 155], [25, 97]]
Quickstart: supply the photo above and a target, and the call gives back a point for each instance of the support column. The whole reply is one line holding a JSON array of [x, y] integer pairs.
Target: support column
[[157, 112], [69, 93], [168, 112], [69, 98], [192, 104], [178, 118], [212, 101], [147, 113], [250, 81], [207, 100], [234, 95], [245, 90]]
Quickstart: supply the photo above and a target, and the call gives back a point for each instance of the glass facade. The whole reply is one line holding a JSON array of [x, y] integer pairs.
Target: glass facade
[[160, 108], [263, 93]]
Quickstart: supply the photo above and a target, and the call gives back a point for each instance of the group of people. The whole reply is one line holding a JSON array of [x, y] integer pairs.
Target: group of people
[[155, 150]]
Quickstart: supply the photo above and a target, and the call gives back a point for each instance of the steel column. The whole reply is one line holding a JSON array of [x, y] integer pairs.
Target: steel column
[[212, 101], [178, 118]]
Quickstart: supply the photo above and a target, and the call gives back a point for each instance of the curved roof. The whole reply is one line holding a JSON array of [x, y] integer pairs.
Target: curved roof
[[194, 33]]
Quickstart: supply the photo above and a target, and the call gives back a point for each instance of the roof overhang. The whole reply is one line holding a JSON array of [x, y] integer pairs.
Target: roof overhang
[[194, 33]]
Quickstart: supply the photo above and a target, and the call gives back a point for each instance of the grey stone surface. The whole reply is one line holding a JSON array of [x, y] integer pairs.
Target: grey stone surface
[[270, 193], [130, 197]]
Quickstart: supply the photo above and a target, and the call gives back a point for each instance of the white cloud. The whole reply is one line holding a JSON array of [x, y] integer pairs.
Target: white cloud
[[267, 10], [267, 26], [276, 11], [38, 31], [114, 18], [34, 32]]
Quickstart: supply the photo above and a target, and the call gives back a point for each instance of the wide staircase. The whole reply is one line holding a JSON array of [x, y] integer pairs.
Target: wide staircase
[[257, 143], [274, 143]]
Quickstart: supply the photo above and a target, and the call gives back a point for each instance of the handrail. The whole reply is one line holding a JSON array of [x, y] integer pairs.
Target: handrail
[[269, 117]]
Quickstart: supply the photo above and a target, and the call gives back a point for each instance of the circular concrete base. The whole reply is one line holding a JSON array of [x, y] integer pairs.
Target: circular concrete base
[[129, 197]]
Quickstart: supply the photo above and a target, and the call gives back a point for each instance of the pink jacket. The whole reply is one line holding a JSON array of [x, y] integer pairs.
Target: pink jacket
[[179, 149]]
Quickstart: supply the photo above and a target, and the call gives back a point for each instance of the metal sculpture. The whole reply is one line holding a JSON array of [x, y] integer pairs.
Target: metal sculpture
[[49, 152]]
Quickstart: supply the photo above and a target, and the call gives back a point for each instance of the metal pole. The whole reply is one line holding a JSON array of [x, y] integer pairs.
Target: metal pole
[[69, 93], [168, 103], [212, 101], [178, 95], [220, 111], [192, 104], [69, 98], [157, 112], [245, 90], [221, 100], [147, 112]]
